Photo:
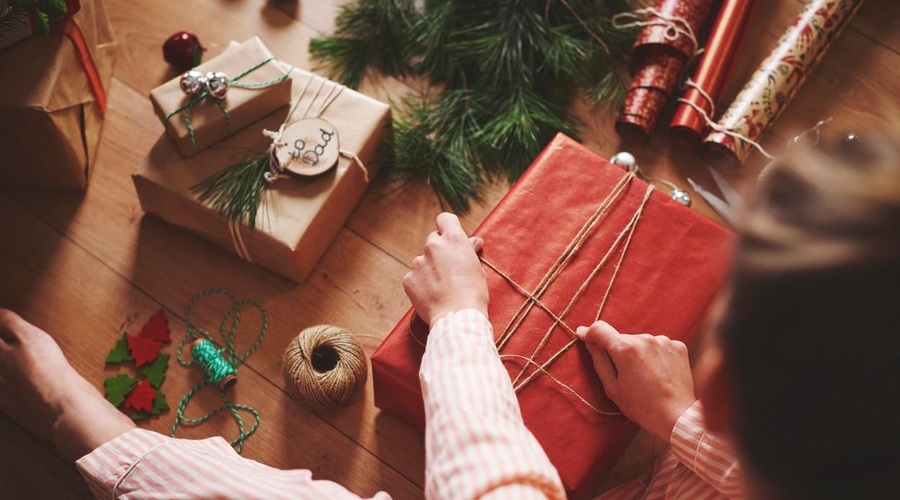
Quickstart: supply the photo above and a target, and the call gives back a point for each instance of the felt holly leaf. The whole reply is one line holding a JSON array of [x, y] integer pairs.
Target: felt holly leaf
[[157, 328], [159, 404], [141, 398], [117, 388], [156, 371], [119, 353], [143, 350]]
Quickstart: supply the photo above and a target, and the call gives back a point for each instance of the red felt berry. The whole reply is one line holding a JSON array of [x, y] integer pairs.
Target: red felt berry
[[183, 51]]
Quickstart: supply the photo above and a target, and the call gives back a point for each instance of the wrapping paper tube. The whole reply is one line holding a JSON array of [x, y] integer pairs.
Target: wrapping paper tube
[[665, 43], [688, 126], [779, 77]]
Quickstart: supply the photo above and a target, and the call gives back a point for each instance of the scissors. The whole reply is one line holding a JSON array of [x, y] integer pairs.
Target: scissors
[[727, 208]]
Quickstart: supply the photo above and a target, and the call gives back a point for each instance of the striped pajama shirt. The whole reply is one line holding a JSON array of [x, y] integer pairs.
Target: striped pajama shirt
[[476, 445]]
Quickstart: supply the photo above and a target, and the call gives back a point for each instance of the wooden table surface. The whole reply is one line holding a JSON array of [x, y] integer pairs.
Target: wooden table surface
[[82, 265]]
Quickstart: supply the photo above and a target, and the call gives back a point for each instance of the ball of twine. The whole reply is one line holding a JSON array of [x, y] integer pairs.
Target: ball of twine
[[325, 366]]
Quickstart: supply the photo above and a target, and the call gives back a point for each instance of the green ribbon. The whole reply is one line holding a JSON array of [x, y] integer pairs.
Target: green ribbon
[[227, 330], [234, 82]]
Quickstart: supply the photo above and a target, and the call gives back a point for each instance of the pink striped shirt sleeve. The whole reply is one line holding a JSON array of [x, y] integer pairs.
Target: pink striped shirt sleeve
[[141, 464], [476, 444], [698, 466], [709, 456]]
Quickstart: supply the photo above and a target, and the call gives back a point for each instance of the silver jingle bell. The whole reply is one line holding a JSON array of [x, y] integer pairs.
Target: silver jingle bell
[[625, 160], [192, 83], [681, 196], [217, 84]]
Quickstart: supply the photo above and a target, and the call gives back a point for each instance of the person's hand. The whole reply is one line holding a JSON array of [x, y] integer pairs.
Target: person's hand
[[448, 277], [647, 376]]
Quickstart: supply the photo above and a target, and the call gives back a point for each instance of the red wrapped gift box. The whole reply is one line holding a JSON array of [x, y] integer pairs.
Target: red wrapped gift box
[[671, 268]]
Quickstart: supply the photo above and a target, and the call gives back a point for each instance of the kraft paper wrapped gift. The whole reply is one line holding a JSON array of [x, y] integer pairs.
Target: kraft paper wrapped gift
[[50, 118], [301, 214], [244, 106], [671, 269]]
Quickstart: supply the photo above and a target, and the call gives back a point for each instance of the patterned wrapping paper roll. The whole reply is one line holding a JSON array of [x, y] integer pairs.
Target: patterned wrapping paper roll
[[688, 126], [648, 95], [658, 56], [779, 77]]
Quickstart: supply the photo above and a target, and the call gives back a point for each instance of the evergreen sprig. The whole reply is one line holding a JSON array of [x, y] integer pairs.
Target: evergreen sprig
[[507, 70], [45, 13], [236, 192]]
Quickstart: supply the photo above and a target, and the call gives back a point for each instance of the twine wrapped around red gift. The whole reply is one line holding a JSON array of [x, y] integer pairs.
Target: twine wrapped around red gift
[[705, 87], [556, 258], [778, 78], [666, 42]]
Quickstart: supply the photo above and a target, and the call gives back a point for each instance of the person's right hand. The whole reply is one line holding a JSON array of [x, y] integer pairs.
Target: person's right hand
[[448, 277], [647, 376]]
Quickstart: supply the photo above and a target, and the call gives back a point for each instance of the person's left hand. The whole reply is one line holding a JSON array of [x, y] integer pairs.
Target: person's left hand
[[647, 376], [448, 277]]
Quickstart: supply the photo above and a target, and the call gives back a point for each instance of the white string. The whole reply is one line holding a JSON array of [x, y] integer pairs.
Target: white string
[[675, 25], [330, 99], [316, 96], [709, 100], [238, 241], [352, 156], [725, 130], [276, 171]]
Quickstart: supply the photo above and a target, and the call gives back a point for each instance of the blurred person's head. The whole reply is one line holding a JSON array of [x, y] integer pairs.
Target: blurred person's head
[[806, 372]]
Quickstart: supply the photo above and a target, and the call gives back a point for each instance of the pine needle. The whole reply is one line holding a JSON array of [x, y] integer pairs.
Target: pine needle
[[236, 191], [508, 69]]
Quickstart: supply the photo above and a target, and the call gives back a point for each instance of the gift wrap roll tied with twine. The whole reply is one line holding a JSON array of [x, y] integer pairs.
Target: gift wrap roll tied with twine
[[778, 79], [325, 366]]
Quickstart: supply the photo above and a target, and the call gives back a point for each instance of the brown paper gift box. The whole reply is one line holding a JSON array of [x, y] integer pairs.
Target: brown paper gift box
[[49, 119], [245, 106], [302, 214]]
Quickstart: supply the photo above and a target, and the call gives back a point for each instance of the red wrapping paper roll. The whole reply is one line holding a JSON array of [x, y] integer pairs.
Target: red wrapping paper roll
[[647, 96], [659, 54], [778, 78], [688, 126]]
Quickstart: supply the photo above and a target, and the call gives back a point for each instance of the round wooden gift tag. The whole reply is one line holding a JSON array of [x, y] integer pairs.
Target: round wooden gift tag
[[312, 147]]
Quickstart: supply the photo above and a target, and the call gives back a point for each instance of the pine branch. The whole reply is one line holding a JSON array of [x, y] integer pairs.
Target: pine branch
[[236, 191], [369, 33], [508, 69]]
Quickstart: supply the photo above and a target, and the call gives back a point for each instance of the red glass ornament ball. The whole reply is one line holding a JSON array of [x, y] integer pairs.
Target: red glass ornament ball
[[183, 51]]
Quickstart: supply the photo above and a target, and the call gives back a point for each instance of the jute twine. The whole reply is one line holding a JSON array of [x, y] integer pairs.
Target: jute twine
[[325, 366]]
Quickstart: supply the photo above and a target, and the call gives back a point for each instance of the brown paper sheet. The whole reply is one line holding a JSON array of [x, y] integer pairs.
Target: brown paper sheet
[[49, 121], [302, 214], [245, 106]]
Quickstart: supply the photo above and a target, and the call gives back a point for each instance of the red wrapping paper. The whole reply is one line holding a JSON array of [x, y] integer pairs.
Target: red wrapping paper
[[719, 54], [672, 269], [657, 49]]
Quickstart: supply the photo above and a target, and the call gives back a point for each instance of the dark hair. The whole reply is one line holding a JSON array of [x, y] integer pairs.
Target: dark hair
[[812, 327]]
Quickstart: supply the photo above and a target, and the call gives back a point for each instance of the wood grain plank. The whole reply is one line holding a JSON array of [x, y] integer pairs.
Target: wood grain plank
[[356, 285], [48, 476], [112, 263], [142, 31], [60, 287]]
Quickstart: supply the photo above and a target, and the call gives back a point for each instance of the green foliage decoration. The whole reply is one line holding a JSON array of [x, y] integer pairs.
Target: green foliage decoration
[[45, 13], [501, 76]]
